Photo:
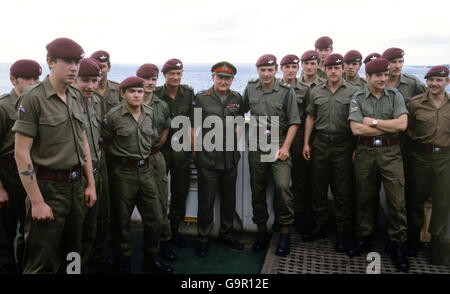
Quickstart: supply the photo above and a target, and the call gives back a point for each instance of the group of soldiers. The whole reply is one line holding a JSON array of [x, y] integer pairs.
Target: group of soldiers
[[79, 152]]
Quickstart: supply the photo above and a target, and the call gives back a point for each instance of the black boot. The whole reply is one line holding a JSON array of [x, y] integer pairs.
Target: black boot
[[177, 240], [233, 243], [435, 252], [361, 245], [398, 255], [155, 266], [412, 245], [318, 232], [261, 242], [167, 252], [284, 245], [341, 244]]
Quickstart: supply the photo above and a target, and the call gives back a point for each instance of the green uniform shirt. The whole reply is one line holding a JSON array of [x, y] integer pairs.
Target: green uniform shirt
[[211, 105], [161, 118], [111, 97], [302, 97], [430, 125], [125, 136], [322, 74], [278, 101], [8, 115], [410, 86], [360, 82], [329, 110], [93, 126], [181, 105], [57, 128], [316, 81], [389, 106]]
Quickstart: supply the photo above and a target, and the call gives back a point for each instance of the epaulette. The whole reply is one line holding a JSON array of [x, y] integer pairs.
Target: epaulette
[[147, 106], [236, 93], [283, 84], [30, 88], [114, 109], [113, 82], [74, 91], [253, 81], [187, 87], [203, 92], [412, 77], [4, 96]]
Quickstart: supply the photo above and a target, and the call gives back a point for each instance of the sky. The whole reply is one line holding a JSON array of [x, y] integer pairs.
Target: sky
[[239, 31]]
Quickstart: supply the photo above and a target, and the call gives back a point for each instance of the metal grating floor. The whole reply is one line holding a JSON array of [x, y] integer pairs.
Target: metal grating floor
[[320, 257]]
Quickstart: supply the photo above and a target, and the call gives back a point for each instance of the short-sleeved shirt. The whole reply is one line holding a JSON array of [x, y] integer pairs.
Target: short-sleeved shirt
[[161, 118], [56, 127], [8, 116], [317, 80], [211, 105], [181, 105], [127, 137], [111, 96], [389, 106], [410, 86], [430, 125], [329, 110], [93, 126]]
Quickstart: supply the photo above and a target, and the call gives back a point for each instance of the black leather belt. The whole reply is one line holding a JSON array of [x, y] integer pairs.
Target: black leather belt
[[65, 176], [377, 142], [333, 139], [430, 149]]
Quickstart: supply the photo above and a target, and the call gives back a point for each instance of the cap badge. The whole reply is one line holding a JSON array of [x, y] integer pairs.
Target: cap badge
[[338, 61], [103, 57], [443, 72], [402, 53], [270, 61], [373, 57], [224, 68], [295, 60], [82, 55], [178, 64]]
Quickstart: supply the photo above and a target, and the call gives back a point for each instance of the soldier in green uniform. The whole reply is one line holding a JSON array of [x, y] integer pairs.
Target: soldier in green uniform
[[86, 83], [267, 97], [429, 130], [23, 73], [310, 65], [299, 173], [371, 57], [179, 99], [332, 150], [353, 61], [324, 46], [377, 115], [217, 169], [161, 124], [51, 151], [107, 221], [128, 130]]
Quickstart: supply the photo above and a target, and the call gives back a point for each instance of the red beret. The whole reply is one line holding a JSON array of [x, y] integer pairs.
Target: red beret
[[324, 42], [310, 55], [89, 68], [65, 48], [25, 68], [101, 56], [437, 71], [393, 53], [371, 56], [334, 59], [353, 55], [147, 71], [377, 65], [172, 64], [290, 59], [132, 82], [266, 60], [224, 68]]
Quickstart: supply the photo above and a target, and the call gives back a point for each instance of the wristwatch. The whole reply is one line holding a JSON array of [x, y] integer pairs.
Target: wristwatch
[[374, 122]]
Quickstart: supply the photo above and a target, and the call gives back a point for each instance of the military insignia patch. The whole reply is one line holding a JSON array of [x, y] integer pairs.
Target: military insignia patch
[[354, 101], [353, 109], [22, 109]]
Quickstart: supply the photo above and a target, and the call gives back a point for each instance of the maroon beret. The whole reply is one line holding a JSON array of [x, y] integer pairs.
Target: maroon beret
[[266, 60], [324, 42], [371, 56], [437, 71], [89, 67], [334, 59], [65, 48], [310, 55], [101, 56], [353, 55], [147, 71], [172, 64], [25, 68], [132, 82], [377, 65], [224, 68], [290, 59], [393, 53]]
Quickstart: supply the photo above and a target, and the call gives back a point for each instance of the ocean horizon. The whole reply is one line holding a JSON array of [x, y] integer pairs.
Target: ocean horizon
[[197, 75]]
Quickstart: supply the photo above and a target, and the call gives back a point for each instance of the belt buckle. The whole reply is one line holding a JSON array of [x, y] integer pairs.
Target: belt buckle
[[436, 149], [267, 132], [73, 175], [141, 163], [377, 142]]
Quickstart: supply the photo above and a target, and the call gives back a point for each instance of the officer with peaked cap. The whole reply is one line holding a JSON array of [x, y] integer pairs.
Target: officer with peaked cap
[[377, 115], [429, 130], [23, 73], [54, 161], [217, 169]]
